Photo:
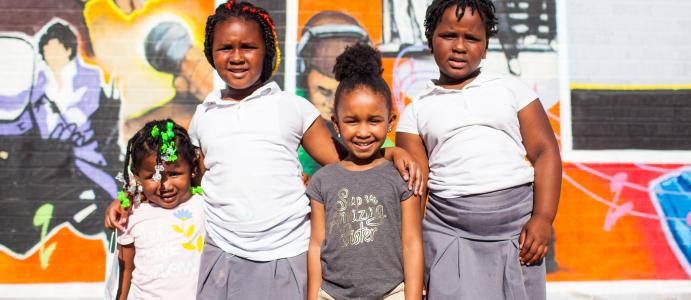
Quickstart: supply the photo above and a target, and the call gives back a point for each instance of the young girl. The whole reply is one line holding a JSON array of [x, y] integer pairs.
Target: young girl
[[161, 248], [257, 214], [494, 165], [366, 240]]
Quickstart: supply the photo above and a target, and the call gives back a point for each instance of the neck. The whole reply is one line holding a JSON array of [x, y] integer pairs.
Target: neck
[[230, 93], [356, 164], [456, 83]]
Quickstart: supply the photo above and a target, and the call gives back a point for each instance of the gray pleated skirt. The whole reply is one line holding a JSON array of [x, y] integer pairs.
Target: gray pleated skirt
[[471, 247], [226, 276]]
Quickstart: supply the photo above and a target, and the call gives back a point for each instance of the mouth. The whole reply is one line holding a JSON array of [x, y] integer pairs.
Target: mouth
[[457, 63], [238, 72], [168, 198], [363, 146]]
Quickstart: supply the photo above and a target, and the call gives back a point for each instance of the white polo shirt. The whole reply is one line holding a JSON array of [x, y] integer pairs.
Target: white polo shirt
[[256, 206], [472, 135]]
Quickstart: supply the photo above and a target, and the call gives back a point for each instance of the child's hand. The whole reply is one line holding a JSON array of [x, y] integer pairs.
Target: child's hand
[[534, 240], [409, 169], [116, 216]]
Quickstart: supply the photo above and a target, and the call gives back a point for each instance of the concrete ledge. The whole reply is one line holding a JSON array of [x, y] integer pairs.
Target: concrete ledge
[[621, 290], [605, 290]]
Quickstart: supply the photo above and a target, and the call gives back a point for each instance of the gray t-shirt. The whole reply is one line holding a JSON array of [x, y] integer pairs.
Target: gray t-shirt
[[362, 253]]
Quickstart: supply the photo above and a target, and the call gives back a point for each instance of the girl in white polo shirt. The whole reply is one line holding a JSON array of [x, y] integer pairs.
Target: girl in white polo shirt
[[494, 165], [257, 214]]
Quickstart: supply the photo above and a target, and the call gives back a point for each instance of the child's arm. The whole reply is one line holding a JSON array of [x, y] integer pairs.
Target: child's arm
[[407, 166], [411, 239], [126, 260], [314, 268], [543, 152], [414, 145], [318, 143]]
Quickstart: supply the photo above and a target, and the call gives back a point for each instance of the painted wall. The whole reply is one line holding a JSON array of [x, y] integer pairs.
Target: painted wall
[[79, 77]]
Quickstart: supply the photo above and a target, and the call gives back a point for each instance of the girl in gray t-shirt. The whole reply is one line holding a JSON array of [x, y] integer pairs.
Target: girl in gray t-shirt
[[366, 240]]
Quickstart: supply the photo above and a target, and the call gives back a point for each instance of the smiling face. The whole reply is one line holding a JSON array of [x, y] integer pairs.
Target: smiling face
[[238, 52], [363, 119], [174, 186], [459, 47]]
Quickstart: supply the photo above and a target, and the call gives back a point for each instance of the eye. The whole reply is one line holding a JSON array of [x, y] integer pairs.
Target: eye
[[327, 93], [224, 48], [472, 38], [448, 35], [376, 120]]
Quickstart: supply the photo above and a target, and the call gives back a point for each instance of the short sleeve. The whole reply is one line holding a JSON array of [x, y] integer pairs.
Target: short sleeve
[[399, 186], [193, 128], [314, 188], [403, 191], [126, 237], [408, 121], [307, 112], [523, 94]]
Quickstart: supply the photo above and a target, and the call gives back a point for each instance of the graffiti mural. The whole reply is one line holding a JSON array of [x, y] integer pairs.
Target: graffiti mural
[[80, 76], [80, 79]]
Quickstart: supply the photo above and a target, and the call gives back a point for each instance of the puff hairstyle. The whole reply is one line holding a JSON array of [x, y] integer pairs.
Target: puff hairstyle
[[360, 66], [436, 10], [143, 144], [248, 12]]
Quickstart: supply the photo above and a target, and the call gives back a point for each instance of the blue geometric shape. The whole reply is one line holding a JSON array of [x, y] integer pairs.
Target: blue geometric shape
[[673, 198]]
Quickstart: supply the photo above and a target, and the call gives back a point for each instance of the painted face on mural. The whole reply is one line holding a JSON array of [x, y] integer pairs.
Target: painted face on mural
[[174, 186], [56, 55], [363, 121], [321, 89], [459, 47], [238, 52]]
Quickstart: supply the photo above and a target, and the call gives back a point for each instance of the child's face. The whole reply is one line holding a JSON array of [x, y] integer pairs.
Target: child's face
[[238, 52], [174, 186], [363, 121], [459, 46]]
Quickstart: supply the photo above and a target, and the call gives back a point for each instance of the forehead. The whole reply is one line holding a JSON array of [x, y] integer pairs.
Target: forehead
[[471, 20], [362, 98], [149, 163], [238, 28]]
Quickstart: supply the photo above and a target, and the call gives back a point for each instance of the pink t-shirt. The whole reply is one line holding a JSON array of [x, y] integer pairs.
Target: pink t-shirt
[[168, 245]]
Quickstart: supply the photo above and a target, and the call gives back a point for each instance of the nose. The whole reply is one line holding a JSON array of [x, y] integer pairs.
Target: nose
[[236, 57], [459, 46], [362, 131], [165, 184]]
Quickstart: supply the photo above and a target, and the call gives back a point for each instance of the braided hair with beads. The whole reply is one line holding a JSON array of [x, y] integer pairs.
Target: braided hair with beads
[[246, 11], [484, 7], [144, 143]]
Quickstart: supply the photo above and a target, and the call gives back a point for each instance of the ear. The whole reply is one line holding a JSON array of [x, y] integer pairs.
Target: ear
[[392, 120], [334, 122]]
